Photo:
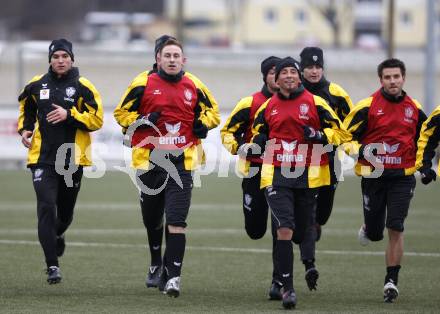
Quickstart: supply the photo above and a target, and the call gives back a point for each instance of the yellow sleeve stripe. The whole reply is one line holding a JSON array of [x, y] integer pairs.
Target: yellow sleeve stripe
[[364, 103], [239, 117], [210, 115], [259, 119], [23, 100], [425, 134], [319, 101], [418, 104], [21, 114], [242, 104], [338, 91], [96, 95], [122, 115]]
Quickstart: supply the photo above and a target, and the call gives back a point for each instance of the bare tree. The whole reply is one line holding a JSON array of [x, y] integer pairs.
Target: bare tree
[[234, 9], [334, 12]]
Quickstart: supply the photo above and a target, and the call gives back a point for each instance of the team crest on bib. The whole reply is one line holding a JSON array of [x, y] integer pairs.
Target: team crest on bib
[[409, 114], [303, 111], [70, 91], [188, 94], [188, 97]]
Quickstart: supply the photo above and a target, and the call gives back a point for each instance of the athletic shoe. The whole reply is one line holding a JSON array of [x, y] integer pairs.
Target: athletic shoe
[[153, 276], [275, 290], [362, 236], [172, 288], [53, 275], [61, 245], [390, 292], [311, 277], [318, 232], [163, 278], [289, 299]]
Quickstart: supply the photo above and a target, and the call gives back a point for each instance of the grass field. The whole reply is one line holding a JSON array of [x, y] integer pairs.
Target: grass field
[[106, 258]]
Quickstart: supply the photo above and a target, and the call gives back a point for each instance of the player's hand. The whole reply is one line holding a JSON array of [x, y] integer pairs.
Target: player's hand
[[428, 175], [371, 150], [199, 129], [310, 134], [254, 149], [247, 150], [261, 140], [149, 119], [25, 136], [59, 114]]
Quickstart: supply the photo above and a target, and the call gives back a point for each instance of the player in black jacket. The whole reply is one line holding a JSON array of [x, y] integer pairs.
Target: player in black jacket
[[312, 68], [58, 110]]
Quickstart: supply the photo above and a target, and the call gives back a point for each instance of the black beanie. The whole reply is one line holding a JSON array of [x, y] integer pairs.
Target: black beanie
[[159, 43], [311, 56], [285, 63], [268, 64], [60, 44]]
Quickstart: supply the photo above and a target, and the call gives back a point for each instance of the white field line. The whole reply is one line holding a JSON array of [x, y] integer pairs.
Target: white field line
[[191, 231], [110, 232], [217, 249], [134, 206], [28, 206]]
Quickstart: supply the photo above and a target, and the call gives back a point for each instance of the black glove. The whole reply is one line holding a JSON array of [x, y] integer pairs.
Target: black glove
[[310, 134], [362, 151], [149, 119], [199, 129], [250, 149], [260, 139], [368, 150], [428, 175], [245, 150]]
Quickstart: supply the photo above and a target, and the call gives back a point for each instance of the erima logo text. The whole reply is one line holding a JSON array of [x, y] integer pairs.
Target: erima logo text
[[390, 160], [172, 129], [290, 158]]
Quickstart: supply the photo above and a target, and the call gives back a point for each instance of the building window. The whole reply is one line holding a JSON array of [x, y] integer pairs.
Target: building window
[[406, 19], [270, 16], [300, 16]]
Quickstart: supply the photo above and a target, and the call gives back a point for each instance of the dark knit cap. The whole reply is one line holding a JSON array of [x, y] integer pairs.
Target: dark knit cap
[[285, 63], [60, 44], [159, 43], [268, 64], [311, 56]]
